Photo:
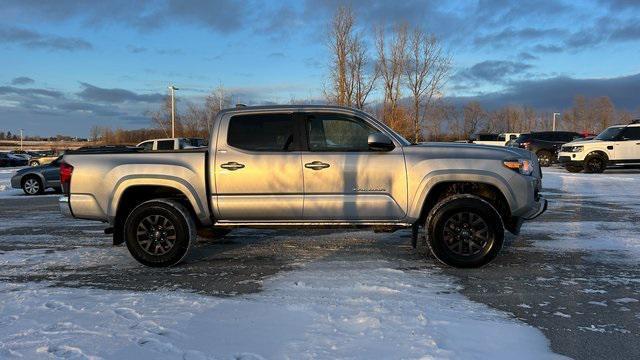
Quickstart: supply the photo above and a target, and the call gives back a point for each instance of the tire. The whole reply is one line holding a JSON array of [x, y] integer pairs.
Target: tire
[[449, 230], [34, 163], [545, 158], [159, 233], [574, 168], [595, 164], [32, 185]]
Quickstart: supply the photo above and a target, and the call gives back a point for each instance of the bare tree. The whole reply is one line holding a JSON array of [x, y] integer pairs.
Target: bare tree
[[426, 68], [474, 119], [391, 62], [360, 79], [161, 118], [340, 35]]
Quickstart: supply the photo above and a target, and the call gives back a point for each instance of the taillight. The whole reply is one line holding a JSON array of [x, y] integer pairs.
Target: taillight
[[66, 171]]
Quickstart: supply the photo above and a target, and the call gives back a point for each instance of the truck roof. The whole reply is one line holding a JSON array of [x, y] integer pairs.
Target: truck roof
[[292, 108]]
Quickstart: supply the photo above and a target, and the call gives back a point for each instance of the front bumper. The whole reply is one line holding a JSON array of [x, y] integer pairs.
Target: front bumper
[[65, 206], [566, 158], [541, 206], [16, 181]]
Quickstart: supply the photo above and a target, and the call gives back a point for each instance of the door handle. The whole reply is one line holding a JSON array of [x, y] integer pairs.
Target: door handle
[[316, 165], [232, 166]]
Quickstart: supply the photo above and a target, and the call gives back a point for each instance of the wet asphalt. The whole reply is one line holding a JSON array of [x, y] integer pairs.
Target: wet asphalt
[[578, 299]]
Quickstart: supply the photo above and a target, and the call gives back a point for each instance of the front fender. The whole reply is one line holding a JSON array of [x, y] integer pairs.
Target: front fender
[[436, 177]]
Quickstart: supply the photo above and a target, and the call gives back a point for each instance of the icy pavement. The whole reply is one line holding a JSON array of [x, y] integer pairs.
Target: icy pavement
[[572, 276]]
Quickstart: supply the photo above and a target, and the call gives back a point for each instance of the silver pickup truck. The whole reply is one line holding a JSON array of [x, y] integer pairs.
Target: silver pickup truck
[[306, 166]]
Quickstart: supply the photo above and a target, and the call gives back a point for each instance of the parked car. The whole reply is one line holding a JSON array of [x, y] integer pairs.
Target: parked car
[[38, 160], [615, 146], [545, 144], [36, 179], [20, 153], [173, 144], [306, 166], [7, 159], [502, 139]]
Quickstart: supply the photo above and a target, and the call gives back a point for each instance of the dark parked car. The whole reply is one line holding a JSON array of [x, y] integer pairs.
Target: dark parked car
[[545, 144], [10, 160], [34, 180]]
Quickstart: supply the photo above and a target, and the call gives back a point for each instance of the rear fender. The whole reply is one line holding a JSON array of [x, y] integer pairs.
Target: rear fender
[[200, 209]]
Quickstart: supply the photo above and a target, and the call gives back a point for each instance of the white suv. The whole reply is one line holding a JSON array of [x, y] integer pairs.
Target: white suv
[[617, 145]]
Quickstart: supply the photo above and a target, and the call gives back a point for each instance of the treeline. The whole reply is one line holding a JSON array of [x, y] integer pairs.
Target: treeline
[[9, 136]]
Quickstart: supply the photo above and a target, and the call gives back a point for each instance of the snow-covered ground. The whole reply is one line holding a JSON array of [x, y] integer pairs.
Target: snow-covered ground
[[5, 179], [326, 307]]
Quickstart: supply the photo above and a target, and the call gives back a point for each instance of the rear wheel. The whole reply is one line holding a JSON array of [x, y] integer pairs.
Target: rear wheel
[[574, 168], [464, 231], [32, 186], [595, 164], [159, 233], [545, 158]]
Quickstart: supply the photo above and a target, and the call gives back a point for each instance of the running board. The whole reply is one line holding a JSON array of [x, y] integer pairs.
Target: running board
[[384, 226]]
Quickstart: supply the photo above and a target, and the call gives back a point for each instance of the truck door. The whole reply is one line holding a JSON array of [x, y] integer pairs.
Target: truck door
[[258, 170], [627, 148], [343, 179]]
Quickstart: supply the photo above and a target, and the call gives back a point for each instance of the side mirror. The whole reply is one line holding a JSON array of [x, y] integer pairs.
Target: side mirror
[[380, 142]]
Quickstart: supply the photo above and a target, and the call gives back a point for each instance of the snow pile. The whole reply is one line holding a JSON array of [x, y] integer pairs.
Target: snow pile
[[5, 178]]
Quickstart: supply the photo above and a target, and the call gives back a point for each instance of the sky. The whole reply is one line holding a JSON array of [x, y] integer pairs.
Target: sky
[[68, 65]]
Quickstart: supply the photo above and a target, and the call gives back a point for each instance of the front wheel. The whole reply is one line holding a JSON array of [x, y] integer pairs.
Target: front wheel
[[32, 186], [159, 233], [464, 231], [595, 164]]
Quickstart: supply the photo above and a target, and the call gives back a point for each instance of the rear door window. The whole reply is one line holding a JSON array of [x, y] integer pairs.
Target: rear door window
[[165, 145], [265, 132], [632, 133]]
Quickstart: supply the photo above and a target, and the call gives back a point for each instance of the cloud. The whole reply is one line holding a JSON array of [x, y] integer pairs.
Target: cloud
[[10, 90], [221, 15], [22, 80], [94, 93], [36, 40], [492, 71], [90, 108], [557, 93], [277, 55], [136, 49], [527, 56], [510, 36]]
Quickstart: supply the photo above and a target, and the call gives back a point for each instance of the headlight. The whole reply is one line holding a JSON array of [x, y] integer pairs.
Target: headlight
[[573, 149], [522, 166]]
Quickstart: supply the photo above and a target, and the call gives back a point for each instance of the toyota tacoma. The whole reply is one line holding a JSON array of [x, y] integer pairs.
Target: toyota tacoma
[[305, 166]]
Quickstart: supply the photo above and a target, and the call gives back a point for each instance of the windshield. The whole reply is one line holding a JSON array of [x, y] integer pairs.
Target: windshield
[[609, 134]]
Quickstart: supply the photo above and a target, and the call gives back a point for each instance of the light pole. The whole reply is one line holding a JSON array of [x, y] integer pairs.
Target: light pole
[[20, 139], [554, 120], [173, 110]]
